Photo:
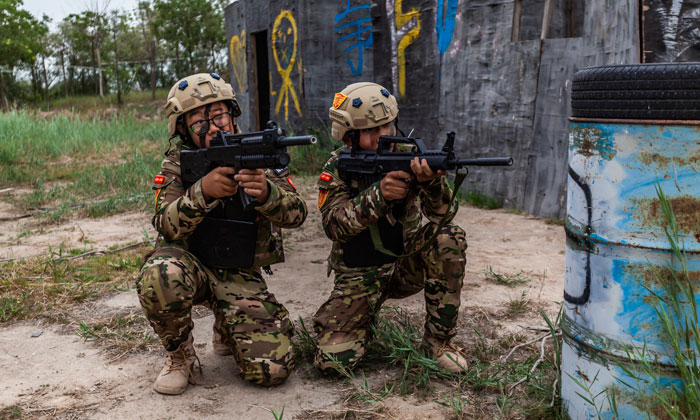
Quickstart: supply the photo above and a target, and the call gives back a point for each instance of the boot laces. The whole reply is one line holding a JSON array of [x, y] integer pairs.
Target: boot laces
[[178, 360]]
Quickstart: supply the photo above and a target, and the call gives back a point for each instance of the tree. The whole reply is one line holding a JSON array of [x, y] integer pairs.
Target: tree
[[146, 20], [197, 28], [20, 37]]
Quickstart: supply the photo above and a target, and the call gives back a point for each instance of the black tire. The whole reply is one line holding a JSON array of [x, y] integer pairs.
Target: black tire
[[669, 91]]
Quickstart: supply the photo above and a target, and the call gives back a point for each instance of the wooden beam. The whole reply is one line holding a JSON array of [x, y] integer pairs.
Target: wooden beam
[[547, 18], [517, 14]]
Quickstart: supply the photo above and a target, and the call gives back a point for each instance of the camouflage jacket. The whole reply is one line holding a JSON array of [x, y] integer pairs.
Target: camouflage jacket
[[346, 215], [179, 211]]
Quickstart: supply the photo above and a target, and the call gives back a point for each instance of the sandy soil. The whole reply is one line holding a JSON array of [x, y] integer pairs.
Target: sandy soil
[[58, 375]]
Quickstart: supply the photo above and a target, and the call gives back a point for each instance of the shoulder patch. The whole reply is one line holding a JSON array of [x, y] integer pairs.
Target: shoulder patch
[[289, 179], [159, 179], [322, 195], [325, 176], [156, 200]]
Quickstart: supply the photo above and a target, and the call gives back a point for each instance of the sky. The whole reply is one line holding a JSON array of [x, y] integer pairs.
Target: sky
[[58, 9]]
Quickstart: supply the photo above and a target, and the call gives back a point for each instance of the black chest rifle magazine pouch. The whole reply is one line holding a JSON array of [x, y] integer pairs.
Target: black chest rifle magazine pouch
[[360, 250], [226, 237]]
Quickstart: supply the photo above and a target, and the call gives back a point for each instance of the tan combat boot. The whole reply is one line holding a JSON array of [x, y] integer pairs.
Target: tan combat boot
[[177, 372], [219, 343], [449, 356]]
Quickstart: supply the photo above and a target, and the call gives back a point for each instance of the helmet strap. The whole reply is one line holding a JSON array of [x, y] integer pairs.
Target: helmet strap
[[182, 130], [396, 124], [354, 136]]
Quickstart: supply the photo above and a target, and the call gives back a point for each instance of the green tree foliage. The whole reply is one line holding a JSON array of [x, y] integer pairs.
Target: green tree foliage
[[20, 41], [99, 52], [195, 32]]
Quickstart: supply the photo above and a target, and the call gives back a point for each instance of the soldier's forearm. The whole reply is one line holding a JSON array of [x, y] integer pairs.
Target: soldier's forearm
[[283, 208], [348, 217]]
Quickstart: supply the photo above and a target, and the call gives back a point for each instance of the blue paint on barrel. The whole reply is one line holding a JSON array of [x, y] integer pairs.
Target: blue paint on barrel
[[616, 245]]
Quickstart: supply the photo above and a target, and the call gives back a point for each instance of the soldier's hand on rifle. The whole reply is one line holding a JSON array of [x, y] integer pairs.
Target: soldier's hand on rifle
[[254, 183], [394, 185], [217, 184], [423, 172]]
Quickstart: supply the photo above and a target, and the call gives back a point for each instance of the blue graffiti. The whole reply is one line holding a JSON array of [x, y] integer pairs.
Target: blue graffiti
[[445, 24], [358, 28]]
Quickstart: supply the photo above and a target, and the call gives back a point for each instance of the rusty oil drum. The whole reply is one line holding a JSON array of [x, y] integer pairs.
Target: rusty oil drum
[[621, 146]]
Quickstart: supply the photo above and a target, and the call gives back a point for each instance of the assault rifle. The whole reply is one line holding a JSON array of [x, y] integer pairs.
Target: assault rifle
[[260, 149], [371, 164]]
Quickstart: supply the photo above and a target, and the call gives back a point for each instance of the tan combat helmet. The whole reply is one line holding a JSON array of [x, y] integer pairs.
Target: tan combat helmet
[[361, 105], [197, 90]]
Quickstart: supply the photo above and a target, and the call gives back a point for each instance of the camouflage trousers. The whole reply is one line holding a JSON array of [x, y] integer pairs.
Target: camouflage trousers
[[343, 323], [254, 324]]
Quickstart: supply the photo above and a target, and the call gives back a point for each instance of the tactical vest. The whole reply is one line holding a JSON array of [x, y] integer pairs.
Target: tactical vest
[[226, 237], [360, 250]]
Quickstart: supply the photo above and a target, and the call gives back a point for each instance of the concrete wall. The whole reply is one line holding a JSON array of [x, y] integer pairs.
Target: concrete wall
[[453, 65]]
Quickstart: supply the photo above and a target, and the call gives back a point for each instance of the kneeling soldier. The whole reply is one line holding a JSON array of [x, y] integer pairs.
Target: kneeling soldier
[[179, 273], [365, 277]]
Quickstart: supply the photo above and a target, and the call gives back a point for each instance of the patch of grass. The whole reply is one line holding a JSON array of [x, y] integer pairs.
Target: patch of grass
[[309, 160], [304, 345], [121, 333], [11, 307], [397, 342], [26, 234], [481, 200], [39, 150], [483, 391], [51, 285], [519, 305], [139, 102], [124, 185], [510, 280], [11, 412], [554, 221]]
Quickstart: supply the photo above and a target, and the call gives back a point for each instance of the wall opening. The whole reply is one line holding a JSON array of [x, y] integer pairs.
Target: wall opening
[[261, 76]]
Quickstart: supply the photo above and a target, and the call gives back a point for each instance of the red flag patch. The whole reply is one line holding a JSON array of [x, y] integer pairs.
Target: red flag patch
[[322, 195], [159, 179], [289, 179], [325, 176], [338, 100]]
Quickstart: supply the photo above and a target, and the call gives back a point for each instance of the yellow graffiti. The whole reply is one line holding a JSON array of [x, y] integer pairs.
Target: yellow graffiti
[[403, 19], [287, 88], [238, 59]]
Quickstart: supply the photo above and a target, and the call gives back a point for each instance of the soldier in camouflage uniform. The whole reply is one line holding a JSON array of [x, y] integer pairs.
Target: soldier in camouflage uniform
[[365, 278], [249, 322]]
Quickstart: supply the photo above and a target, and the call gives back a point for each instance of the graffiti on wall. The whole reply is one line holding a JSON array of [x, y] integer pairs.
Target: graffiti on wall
[[445, 24], [407, 29], [671, 30], [237, 52], [359, 27], [284, 51]]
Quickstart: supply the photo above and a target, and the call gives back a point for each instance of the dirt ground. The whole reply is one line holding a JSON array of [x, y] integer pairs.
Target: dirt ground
[[58, 375]]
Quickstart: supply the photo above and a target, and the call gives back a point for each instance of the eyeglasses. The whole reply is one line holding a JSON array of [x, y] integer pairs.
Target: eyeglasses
[[220, 120]]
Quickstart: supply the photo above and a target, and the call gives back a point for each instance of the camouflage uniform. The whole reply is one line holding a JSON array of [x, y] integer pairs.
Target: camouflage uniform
[[254, 324], [343, 322]]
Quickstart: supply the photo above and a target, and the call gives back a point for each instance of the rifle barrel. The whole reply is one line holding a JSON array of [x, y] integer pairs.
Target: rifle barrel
[[297, 141], [495, 161]]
